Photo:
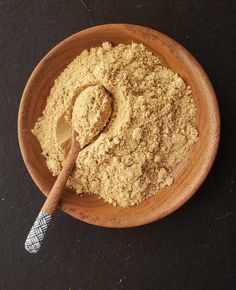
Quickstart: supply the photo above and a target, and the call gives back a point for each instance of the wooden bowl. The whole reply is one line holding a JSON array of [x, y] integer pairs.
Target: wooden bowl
[[188, 175]]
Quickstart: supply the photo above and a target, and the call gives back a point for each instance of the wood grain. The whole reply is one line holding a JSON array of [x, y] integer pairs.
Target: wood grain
[[189, 174]]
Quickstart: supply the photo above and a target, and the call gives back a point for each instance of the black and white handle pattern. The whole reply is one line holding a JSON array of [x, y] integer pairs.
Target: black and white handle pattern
[[37, 233]]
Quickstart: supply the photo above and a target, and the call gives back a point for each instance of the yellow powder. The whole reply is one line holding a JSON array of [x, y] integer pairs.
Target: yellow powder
[[151, 128], [91, 112]]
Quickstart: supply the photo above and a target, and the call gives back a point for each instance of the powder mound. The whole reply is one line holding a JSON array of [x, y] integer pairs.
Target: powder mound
[[151, 128], [91, 112]]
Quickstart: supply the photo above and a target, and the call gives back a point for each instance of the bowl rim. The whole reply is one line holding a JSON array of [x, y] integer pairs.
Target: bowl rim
[[212, 153]]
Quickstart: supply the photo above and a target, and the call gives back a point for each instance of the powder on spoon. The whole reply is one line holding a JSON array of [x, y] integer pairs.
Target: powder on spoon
[[151, 128], [91, 112]]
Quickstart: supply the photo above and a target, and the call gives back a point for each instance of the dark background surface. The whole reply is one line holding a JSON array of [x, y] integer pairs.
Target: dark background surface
[[194, 248]]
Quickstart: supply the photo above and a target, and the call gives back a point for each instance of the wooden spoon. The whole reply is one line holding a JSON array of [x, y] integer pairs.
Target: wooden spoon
[[92, 110]]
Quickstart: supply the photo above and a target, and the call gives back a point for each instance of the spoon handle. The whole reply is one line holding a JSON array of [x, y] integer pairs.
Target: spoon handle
[[36, 235]]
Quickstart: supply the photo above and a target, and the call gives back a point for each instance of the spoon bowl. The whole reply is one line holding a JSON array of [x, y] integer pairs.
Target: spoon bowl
[[188, 175]]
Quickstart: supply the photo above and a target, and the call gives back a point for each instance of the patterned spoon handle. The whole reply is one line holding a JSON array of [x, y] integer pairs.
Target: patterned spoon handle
[[36, 235]]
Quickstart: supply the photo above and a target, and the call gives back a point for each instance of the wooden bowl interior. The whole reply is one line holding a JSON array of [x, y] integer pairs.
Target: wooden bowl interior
[[189, 174]]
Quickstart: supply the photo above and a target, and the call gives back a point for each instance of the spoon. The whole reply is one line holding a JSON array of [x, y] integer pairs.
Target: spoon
[[91, 112]]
